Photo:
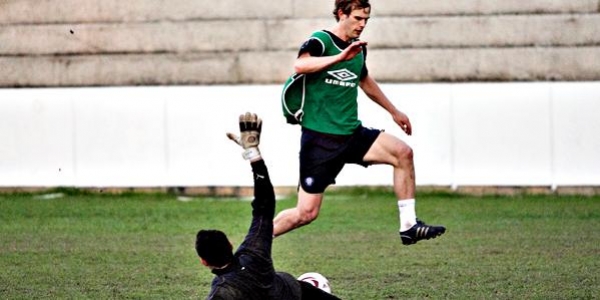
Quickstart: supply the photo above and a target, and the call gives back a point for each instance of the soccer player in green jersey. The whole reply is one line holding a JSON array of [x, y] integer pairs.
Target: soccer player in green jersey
[[328, 71]]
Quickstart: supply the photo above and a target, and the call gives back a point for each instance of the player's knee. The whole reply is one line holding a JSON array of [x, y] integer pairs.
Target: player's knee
[[406, 152], [307, 216], [403, 154]]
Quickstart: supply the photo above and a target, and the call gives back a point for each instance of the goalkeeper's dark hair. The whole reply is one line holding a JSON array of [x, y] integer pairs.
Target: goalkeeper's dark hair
[[347, 6], [214, 247]]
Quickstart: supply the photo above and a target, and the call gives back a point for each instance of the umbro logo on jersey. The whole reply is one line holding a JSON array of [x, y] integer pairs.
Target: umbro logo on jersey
[[342, 77], [343, 74]]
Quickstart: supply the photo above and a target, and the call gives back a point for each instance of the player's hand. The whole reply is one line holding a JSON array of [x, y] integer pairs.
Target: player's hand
[[351, 51], [249, 139], [402, 120]]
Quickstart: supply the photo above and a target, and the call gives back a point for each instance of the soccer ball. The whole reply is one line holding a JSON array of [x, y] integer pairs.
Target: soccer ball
[[317, 280]]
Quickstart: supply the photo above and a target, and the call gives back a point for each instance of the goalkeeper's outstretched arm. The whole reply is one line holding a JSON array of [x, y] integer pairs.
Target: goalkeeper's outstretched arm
[[264, 197]]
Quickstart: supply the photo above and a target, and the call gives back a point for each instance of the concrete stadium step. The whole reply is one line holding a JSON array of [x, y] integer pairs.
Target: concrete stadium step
[[114, 42], [487, 64], [464, 31], [104, 70], [110, 11], [320, 8], [386, 65], [93, 11], [491, 31], [160, 37], [217, 36]]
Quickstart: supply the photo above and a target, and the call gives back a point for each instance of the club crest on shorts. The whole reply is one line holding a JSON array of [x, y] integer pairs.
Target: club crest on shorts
[[309, 181]]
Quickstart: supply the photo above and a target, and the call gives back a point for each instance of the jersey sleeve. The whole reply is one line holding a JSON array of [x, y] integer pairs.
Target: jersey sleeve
[[364, 71], [312, 46]]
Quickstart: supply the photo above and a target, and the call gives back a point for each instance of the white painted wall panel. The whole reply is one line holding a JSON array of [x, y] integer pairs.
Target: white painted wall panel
[[120, 137], [463, 134], [576, 127], [199, 151], [501, 134], [36, 138]]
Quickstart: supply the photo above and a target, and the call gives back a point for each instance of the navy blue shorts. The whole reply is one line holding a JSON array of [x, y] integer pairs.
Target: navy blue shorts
[[323, 156]]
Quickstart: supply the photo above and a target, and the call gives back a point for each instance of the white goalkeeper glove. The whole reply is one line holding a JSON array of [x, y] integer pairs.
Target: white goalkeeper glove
[[250, 127]]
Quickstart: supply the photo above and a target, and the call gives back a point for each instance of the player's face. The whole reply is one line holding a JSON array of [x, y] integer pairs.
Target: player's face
[[355, 22]]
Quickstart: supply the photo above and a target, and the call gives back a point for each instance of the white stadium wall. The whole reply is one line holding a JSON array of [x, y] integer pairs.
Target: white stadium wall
[[464, 134]]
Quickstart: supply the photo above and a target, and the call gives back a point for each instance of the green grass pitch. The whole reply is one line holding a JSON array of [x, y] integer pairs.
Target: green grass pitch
[[140, 246]]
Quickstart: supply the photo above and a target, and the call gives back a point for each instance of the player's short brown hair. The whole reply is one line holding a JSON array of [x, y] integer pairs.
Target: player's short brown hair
[[347, 6]]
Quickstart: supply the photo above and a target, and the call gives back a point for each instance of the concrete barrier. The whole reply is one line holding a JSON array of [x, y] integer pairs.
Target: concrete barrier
[[541, 134]]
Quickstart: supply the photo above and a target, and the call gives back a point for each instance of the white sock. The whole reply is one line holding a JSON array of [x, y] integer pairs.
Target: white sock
[[408, 216]]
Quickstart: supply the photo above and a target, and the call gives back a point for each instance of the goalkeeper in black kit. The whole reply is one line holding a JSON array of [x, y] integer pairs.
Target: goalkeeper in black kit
[[248, 272]]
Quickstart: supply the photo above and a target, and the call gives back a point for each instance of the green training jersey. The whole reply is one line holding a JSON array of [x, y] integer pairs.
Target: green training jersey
[[329, 96]]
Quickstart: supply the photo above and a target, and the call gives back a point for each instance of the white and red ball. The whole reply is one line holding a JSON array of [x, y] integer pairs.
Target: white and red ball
[[317, 280]]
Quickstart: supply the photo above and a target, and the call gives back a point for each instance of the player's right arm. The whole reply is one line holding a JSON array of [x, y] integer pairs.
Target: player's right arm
[[308, 62]]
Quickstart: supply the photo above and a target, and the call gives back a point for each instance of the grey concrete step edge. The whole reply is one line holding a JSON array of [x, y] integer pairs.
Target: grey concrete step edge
[[75, 11], [169, 38], [523, 64]]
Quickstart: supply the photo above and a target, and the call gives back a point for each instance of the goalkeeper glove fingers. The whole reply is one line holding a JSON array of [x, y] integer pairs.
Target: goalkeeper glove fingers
[[250, 128]]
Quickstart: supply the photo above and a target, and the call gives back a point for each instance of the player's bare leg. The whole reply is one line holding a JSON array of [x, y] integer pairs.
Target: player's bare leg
[[306, 210], [388, 149]]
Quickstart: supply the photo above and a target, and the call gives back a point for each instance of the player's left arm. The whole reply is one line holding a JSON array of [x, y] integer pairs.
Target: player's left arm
[[374, 92]]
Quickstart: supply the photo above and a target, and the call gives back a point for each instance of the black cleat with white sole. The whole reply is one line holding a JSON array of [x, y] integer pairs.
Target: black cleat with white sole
[[421, 231]]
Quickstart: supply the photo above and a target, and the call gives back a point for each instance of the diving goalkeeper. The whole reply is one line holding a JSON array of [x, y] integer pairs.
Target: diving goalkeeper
[[248, 272]]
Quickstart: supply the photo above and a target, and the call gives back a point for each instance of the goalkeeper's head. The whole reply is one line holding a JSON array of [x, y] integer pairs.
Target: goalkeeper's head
[[213, 248]]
